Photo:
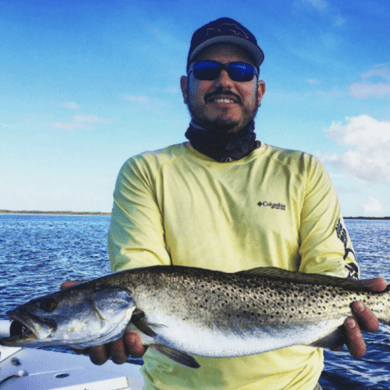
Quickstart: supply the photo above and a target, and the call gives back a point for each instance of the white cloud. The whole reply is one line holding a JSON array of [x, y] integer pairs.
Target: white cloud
[[376, 82], [320, 5], [334, 93], [173, 89], [80, 122], [368, 142], [71, 105], [379, 70], [138, 99], [312, 81], [363, 90], [68, 125], [90, 118], [373, 206]]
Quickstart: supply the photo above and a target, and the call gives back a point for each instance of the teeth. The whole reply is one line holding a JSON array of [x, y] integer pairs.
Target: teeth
[[224, 101]]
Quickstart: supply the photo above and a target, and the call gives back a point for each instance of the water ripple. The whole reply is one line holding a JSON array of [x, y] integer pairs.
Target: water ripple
[[38, 253]]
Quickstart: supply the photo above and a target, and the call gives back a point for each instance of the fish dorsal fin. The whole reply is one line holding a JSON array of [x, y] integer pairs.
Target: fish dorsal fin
[[139, 321], [177, 356], [300, 277]]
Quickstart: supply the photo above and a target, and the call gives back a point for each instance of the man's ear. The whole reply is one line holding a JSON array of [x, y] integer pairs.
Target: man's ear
[[260, 91], [184, 88]]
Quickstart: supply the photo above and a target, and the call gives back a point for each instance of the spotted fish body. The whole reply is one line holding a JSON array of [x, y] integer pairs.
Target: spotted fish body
[[181, 311], [217, 314]]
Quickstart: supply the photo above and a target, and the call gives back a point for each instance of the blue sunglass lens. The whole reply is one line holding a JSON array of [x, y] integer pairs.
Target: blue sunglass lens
[[241, 71], [207, 70], [238, 71]]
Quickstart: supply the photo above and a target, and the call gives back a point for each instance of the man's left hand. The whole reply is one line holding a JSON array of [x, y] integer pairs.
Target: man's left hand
[[364, 319]]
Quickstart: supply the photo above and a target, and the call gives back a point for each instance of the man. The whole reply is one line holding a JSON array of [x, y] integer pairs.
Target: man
[[225, 201]]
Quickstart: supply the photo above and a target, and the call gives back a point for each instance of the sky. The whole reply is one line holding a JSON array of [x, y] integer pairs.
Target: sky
[[84, 85]]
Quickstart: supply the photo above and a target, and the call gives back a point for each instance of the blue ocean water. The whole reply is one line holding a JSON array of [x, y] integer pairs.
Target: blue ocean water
[[39, 252]]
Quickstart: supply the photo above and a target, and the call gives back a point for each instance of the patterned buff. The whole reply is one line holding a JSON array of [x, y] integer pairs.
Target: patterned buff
[[223, 147]]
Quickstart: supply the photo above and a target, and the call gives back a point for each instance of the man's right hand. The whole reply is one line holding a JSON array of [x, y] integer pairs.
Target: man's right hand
[[119, 350]]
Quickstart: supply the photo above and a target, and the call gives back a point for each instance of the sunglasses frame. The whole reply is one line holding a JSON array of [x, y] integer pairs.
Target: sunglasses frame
[[226, 67]]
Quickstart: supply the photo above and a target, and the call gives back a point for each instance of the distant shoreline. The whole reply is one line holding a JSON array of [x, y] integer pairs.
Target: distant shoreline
[[108, 214], [53, 212], [373, 218]]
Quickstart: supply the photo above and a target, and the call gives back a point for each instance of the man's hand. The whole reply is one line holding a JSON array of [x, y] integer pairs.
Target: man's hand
[[119, 350], [364, 320]]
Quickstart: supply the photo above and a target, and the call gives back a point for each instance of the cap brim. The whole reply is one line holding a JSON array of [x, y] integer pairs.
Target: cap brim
[[253, 50]]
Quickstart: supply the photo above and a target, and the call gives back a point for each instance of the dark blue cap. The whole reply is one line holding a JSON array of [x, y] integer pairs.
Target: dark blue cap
[[224, 30]]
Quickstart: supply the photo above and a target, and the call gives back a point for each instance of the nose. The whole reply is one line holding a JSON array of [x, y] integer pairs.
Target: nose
[[224, 80]]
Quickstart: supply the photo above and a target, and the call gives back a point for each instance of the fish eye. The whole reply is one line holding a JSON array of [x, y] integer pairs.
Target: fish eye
[[48, 304]]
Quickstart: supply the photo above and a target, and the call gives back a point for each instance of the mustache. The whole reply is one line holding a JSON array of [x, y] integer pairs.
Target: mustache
[[220, 91]]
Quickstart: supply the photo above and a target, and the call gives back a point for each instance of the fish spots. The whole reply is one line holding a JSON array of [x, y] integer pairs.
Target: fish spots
[[242, 303]]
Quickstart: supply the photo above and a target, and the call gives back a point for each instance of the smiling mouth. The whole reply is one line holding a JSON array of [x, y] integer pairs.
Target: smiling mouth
[[222, 97], [222, 100]]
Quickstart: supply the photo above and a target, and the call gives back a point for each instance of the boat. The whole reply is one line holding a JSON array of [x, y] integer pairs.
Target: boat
[[38, 369]]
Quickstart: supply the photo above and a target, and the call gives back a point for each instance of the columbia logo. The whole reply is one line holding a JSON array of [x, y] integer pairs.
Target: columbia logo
[[278, 206]]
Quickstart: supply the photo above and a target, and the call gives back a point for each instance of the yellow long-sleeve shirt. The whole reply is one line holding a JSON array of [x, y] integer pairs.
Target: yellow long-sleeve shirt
[[275, 207]]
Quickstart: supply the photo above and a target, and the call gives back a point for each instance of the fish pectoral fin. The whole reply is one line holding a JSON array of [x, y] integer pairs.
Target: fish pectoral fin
[[177, 356], [139, 321]]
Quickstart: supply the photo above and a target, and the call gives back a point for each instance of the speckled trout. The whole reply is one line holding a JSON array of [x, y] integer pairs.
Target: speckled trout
[[181, 311]]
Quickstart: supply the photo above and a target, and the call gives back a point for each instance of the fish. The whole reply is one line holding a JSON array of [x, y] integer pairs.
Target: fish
[[184, 311]]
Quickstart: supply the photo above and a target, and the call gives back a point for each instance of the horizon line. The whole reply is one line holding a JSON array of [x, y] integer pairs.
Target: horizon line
[[109, 213]]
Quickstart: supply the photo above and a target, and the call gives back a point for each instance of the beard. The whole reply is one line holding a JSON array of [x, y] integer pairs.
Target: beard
[[222, 124]]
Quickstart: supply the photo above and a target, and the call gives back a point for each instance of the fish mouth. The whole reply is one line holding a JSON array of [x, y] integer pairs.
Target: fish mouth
[[27, 330], [21, 331], [19, 334]]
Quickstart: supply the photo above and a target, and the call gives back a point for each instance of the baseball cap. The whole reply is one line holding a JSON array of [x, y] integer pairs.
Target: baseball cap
[[224, 30]]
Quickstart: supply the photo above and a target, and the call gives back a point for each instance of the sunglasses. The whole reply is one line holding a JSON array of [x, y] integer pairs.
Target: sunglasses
[[210, 70]]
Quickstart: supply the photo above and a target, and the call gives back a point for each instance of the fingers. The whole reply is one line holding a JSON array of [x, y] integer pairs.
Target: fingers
[[98, 355], [366, 318], [355, 342], [130, 344], [377, 284], [118, 350], [134, 344], [69, 284]]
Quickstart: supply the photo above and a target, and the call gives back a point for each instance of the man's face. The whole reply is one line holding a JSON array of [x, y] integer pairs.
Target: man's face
[[222, 104]]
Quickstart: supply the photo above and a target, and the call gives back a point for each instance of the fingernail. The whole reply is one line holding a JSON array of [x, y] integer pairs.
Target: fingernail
[[351, 323], [359, 306]]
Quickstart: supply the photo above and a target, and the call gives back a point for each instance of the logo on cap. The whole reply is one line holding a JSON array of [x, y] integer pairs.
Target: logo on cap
[[226, 29]]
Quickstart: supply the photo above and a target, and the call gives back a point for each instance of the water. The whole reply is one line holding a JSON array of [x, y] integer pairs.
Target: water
[[371, 239], [39, 252]]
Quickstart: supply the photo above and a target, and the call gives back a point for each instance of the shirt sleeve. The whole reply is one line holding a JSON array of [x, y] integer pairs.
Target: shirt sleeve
[[325, 245], [136, 236]]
